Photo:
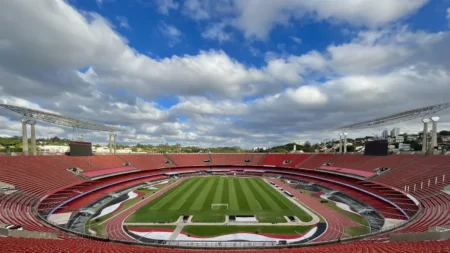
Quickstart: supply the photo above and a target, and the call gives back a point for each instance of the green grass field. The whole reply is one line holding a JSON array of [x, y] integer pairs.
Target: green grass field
[[244, 196]]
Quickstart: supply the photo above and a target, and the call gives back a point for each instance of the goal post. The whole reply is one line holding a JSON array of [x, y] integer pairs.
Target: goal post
[[218, 206]]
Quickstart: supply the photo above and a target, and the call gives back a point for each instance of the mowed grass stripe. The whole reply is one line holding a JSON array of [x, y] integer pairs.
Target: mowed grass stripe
[[219, 192], [277, 196], [232, 199], [194, 193], [210, 195], [159, 201], [198, 202], [170, 200], [239, 195], [251, 199], [260, 196]]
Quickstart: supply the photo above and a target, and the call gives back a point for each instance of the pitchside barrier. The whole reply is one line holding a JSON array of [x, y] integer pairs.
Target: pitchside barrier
[[223, 244]]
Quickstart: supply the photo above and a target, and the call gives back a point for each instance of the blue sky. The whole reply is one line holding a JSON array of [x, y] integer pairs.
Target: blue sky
[[223, 72]]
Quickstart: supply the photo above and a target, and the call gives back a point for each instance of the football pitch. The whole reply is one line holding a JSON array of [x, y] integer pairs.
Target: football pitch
[[242, 196]]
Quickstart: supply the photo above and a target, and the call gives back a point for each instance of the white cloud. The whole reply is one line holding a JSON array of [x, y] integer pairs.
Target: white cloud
[[307, 95], [296, 39], [216, 32], [196, 9], [256, 18], [292, 68], [164, 6], [448, 15], [358, 58], [219, 100], [172, 34], [169, 30], [49, 66], [123, 22]]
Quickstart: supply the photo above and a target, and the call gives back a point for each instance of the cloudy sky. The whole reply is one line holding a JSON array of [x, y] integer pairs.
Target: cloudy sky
[[223, 72]]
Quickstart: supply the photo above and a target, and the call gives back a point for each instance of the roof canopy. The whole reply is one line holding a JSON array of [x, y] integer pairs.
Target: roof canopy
[[398, 117], [58, 119]]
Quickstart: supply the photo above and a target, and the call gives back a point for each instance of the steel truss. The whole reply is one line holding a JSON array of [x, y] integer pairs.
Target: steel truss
[[58, 119], [399, 117]]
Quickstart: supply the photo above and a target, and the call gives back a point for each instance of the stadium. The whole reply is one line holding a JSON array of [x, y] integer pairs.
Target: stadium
[[294, 202]]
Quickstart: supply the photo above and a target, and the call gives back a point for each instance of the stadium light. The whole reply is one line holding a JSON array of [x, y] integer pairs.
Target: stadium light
[[399, 117], [58, 119], [435, 118]]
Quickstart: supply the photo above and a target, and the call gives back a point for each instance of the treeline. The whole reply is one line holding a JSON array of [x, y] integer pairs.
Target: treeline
[[178, 148], [14, 144]]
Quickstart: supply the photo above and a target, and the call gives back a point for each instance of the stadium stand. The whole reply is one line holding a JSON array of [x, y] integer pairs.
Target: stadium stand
[[20, 245], [107, 172], [316, 161], [34, 177], [88, 163], [190, 159], [228, 159], [147, 162], [285, 160]]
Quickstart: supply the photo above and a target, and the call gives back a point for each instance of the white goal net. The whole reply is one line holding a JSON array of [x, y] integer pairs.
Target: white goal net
[[218, 206]]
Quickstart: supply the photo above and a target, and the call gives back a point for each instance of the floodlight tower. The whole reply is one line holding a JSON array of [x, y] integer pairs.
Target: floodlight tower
[[434, 119], [32, 122], [24, 136], [112, 142], [425, 135], [340, 143], [345, 143]]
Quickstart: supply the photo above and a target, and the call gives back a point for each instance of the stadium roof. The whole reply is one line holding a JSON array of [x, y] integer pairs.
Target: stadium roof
[[58, 119], [399, 117]]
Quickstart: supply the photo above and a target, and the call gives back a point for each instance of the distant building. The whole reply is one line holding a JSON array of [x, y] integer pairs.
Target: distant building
[[395, 132], [404, 147], [412, 137], [398, 139], [385, 133], [54, 148]]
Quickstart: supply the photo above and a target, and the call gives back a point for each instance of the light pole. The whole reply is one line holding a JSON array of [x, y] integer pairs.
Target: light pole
[[425, 135], [435, 119], [340, 143], [345, 143]]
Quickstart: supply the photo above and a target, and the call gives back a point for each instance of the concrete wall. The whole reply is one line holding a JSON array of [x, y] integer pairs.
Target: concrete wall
[[27, 234], [425, 236]]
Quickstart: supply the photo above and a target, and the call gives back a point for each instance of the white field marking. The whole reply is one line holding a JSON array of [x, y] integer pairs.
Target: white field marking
[[180, 205], [259, 204], [315, 218], [254, 195], [154, 208], [132, 206]]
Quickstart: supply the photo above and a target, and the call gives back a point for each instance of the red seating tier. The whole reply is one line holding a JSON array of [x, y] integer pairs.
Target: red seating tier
[[189, 159], [280, 159], [147, 162], [103, 172], [20, 245], [36, 176], [227, 159], [316, 161], [97, 162]]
